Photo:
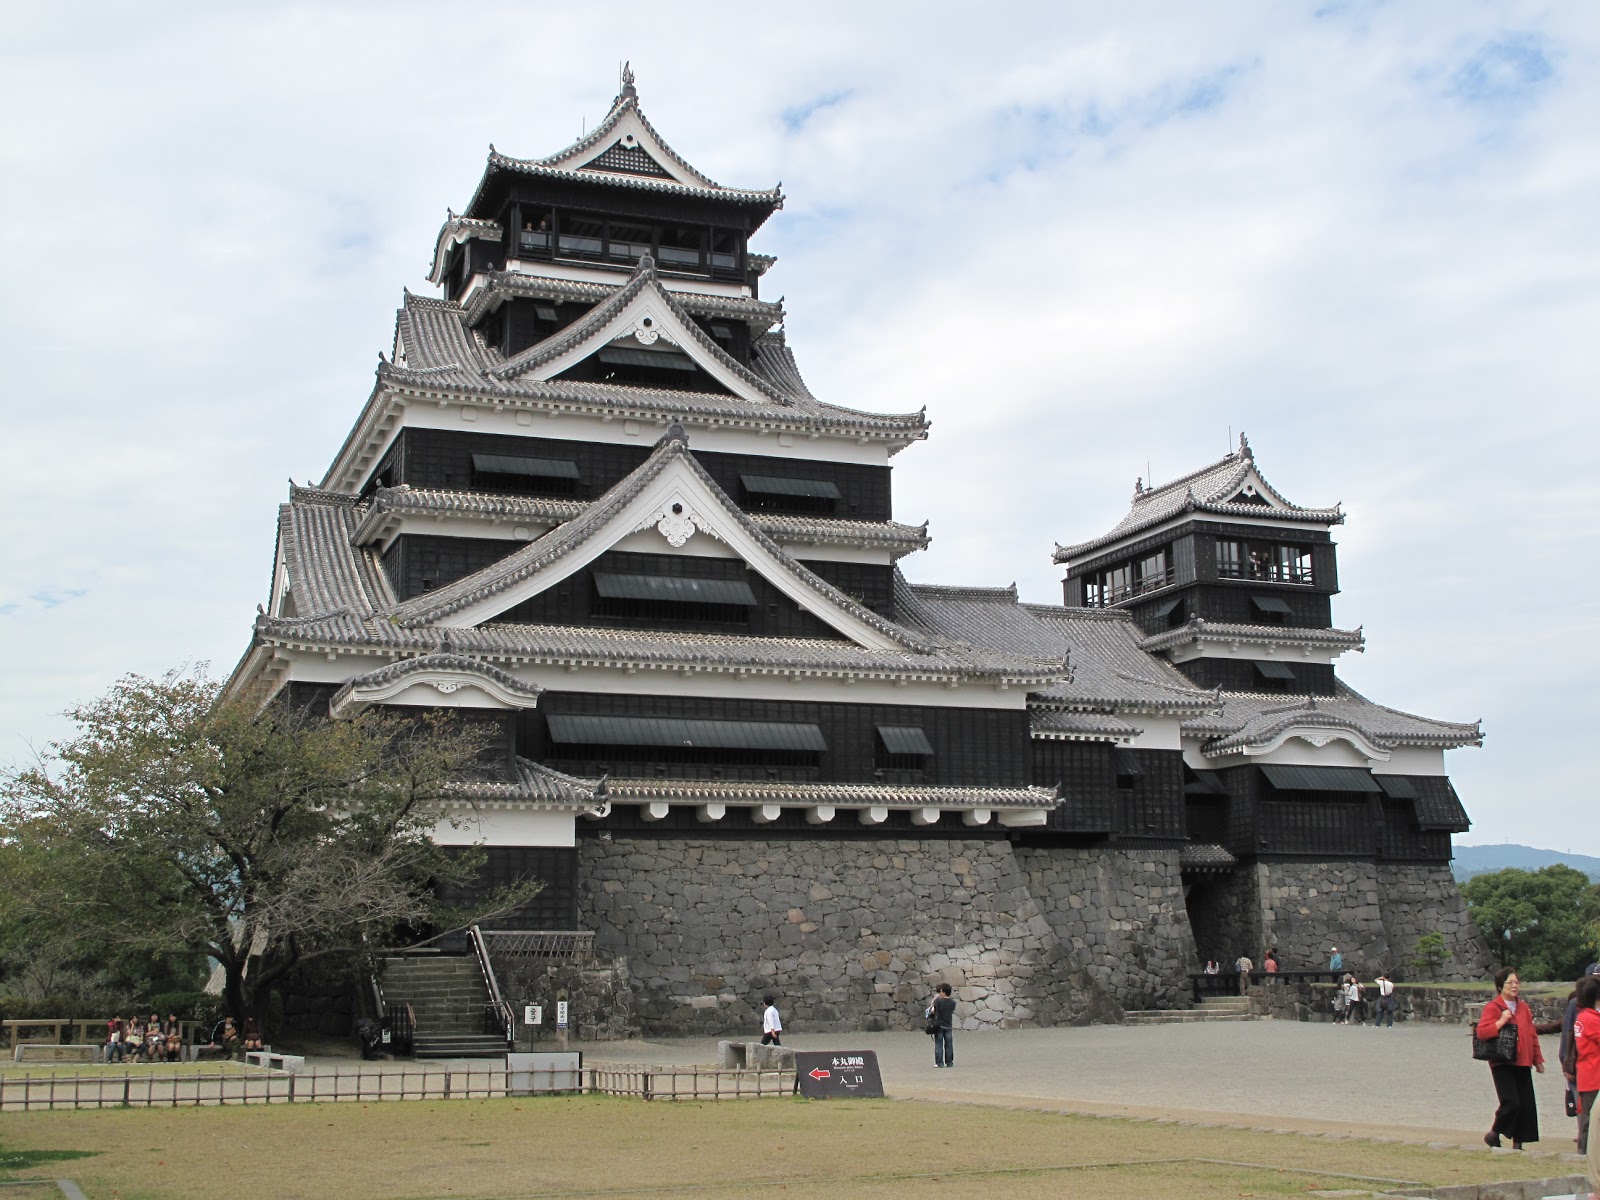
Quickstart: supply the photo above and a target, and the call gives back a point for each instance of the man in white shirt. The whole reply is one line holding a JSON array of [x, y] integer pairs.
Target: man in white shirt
[[1387, 1002], [771, 1026]]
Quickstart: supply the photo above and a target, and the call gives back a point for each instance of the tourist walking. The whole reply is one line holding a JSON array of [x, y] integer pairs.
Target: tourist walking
[[771, 1023], [1211, 967], [1335, 961], [1516, 1117], [942, 1014], [1271, 963], [1585, 1056], [1245, 966]]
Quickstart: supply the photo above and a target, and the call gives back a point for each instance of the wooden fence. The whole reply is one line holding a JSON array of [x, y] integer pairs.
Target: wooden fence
[[27, 1092]]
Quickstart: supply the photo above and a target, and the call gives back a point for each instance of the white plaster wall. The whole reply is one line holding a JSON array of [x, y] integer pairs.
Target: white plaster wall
[[505, 827]]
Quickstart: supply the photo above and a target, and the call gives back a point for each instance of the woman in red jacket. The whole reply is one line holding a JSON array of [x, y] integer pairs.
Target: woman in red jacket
[[1517, 1117]]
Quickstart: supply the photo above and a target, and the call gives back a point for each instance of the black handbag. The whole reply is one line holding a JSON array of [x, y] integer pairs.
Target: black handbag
[[1499, 1049]]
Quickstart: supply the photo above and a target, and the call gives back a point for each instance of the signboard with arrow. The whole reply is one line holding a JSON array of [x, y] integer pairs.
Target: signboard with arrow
[[830, 1074]]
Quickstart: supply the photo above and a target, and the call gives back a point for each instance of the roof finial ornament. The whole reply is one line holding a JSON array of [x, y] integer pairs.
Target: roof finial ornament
[[1244, 447], [629, 92], [1138, 486]]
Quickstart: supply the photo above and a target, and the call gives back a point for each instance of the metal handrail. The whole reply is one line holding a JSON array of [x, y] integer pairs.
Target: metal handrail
[[496, 1006], [576, 945]]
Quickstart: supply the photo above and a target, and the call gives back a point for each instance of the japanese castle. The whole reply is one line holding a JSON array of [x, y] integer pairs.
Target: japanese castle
[[591, 502]]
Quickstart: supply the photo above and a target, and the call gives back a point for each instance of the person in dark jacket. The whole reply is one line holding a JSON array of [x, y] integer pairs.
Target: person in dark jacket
[[1517, 1116], [942, 1012]]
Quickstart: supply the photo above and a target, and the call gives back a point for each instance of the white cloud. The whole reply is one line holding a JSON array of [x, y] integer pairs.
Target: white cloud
[[1090, 241]]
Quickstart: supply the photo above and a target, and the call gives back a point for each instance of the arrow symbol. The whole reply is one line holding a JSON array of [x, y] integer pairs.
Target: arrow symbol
[[819, 1073]]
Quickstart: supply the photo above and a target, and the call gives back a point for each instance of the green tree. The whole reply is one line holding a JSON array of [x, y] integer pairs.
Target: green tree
[[1543, 923], [177, 825], [1430, 953]]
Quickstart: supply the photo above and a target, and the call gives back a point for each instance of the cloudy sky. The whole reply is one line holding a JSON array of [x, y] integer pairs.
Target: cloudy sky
[[1096, 241]]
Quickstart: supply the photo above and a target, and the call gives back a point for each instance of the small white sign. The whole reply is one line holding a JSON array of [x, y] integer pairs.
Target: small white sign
[[561, 1014], [533, 1014]]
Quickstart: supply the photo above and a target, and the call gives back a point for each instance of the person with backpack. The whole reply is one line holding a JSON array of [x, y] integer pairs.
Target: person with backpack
[[941, 1017]]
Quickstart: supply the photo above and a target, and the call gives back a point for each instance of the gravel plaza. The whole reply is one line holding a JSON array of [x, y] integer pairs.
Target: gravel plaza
[[1414, 1082]]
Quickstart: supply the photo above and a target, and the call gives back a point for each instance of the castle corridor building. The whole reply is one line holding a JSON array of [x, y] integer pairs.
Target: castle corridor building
[[591, 503]]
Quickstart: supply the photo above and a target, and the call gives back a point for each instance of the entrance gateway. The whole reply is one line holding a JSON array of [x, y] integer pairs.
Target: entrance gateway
[[592, 503]]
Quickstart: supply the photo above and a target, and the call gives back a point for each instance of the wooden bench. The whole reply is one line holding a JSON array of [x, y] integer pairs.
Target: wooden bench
[[292, 1063]]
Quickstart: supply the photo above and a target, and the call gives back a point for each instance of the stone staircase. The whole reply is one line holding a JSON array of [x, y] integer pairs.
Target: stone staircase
[[1212, 1008], [447, 994]]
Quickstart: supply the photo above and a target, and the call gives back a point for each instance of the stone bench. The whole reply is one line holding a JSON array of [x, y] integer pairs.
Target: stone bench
[[292, 1063], [50, 1052], [753, 1056]]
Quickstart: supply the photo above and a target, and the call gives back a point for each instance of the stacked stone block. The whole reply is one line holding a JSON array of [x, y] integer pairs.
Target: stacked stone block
[[1310, 907], [1424, 898], [1121, 913], [850, 934]]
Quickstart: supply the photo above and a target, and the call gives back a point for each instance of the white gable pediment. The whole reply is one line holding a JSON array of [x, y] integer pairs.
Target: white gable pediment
[[1252, 489], [1305, 741], [676, 507], [632, 133], [649, 323]]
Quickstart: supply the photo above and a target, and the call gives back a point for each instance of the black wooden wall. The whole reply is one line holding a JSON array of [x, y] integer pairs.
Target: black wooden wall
[[437, 458], [1240, 675], [1099, 801], [975, 747], [1257, 821]]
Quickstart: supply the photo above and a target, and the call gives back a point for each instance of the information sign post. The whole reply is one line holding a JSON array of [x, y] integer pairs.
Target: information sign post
[[829, 1074]]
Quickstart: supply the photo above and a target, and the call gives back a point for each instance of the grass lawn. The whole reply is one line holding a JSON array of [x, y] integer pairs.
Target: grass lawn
[[599, 1146]]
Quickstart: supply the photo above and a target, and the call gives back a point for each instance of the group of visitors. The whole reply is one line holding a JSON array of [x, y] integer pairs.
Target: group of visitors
[[1516, 1116], [155, 1040], [1351, 996], [134, 1040]]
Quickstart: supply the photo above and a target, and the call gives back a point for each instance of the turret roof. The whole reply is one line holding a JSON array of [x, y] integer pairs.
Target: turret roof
[[1211, 489], [343, 601], [624, 150]]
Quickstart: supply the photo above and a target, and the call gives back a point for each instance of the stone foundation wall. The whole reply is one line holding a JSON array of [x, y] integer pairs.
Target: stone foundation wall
[[1310, 907], [599, 995], [849, 935], [1303, 1000], [1423, 899], [1121, 913], [1225, 917]]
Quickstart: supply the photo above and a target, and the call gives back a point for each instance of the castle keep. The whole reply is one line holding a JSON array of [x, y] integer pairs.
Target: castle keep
[[592, 503]]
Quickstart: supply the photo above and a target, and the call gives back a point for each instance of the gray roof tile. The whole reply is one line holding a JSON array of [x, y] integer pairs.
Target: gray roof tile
[[1201, 630], [854, 795], [1208, 490], [1109, 670], [1253, 719]]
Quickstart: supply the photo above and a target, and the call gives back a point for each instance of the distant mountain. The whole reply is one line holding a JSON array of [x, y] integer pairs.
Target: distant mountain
[[1475, 860]]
